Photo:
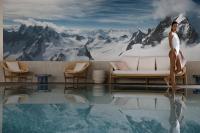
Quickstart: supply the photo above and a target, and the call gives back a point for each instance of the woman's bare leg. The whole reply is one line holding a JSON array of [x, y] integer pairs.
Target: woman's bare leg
[[178, 64], [172, 57]]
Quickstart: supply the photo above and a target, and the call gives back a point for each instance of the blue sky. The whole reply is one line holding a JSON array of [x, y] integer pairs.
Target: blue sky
[[122, 14]]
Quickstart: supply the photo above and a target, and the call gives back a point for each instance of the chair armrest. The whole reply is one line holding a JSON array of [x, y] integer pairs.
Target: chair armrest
[[113, 65], [5, 68], [69, 72], [24, 67]]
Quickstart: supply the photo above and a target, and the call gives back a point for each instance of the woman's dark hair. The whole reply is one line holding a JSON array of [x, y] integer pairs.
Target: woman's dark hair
[[174, 22]]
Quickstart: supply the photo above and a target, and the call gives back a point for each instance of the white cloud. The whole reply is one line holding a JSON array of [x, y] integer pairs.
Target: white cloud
[[163, 8], [49, 9], [126, 19], [32, 22]]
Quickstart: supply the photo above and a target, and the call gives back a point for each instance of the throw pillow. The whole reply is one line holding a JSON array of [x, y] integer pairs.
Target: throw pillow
[[13, 66]]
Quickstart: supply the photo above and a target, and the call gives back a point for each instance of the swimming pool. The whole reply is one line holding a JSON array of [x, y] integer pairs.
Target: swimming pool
[[96, 109]]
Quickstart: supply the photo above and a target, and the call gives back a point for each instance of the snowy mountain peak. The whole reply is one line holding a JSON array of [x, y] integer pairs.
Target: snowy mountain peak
[[180, 18], [185, 32], [44, 42]]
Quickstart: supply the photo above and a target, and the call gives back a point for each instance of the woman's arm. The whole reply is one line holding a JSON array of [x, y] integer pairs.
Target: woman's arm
[[170, 40]]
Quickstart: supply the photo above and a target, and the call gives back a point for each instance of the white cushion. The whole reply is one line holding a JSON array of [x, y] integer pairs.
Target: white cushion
[[113, 64], [162, 63], [79, 66], [12, 99], [13, 66], [146, 63], [131, 61], [141, 73], [16, 99]]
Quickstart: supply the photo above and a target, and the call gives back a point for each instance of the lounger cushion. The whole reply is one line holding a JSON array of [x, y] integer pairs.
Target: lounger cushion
[[79, 66], [146, 63], [131, 61], [13, 66], [162, 63], [141, 73]]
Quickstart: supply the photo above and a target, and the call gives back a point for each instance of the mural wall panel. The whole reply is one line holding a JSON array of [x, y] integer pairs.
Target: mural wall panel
[[63, 30]]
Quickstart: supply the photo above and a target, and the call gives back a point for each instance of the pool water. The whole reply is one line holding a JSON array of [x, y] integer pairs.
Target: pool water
[[97, 109]]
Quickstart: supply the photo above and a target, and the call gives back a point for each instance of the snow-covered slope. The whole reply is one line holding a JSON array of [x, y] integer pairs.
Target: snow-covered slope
[[39, 42]]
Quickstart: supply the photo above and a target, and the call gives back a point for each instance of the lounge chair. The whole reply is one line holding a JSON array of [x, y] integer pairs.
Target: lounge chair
[[75, 71], [16, 71]]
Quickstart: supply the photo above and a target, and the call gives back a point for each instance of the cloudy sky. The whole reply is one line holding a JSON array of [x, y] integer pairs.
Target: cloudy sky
[[121, 14]]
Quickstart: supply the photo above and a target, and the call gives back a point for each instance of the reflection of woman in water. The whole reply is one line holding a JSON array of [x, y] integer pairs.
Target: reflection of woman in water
[[175, 55], [176, 113]]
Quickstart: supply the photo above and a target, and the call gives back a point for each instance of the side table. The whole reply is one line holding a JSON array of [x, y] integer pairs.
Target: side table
[[197, 78], [99, 76], [42, 82]]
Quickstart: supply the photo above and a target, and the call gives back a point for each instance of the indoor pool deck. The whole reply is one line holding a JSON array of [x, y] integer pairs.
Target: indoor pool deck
[[97, 108]]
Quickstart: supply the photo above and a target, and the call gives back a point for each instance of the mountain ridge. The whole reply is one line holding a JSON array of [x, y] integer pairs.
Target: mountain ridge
[[45, 43]]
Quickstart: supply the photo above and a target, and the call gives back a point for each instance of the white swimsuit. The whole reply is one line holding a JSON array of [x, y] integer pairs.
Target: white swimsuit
[[176, 42]]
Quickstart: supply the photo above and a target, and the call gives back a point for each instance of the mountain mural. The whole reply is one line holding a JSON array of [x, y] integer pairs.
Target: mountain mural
[[37, 43], [185, 32]]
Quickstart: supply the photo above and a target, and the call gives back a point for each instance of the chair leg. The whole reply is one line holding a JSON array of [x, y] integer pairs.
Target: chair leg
[[185, 77], [4, 92], [183, 80], [73, 82], [65, 82], [146, 80], [31, 78], [85, 79], [77, 81], [110, 79], [113, 80]]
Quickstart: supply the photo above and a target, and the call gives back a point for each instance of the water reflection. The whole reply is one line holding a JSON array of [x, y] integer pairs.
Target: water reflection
[[96, 105], [99, 94], [99, 90], [176, 113]]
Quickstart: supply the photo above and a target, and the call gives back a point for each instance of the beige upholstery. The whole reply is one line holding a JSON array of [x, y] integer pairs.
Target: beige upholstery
[[146, 63], [131, 61], [162, 63], [146, 67], [141, 73]]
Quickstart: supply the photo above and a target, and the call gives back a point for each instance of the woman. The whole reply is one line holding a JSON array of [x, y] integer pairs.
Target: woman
[[176, 113], [175, 55]]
